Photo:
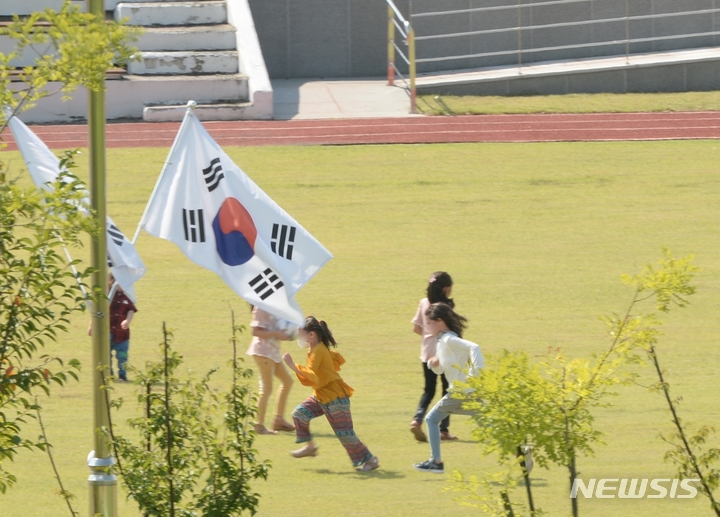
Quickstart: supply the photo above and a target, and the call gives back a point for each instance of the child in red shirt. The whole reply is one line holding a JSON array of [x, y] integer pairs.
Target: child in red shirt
[[122, 310]]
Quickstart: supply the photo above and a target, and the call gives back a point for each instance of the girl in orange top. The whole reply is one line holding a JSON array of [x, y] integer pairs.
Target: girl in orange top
[[331, 396]]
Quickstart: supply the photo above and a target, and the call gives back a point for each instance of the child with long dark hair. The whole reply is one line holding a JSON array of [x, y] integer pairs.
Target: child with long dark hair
[[452, 355], [439, 289], [331, 395]]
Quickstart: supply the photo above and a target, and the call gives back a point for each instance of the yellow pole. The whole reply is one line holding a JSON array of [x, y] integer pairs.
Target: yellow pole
[[411, 57], [102, 482], [391, 48]]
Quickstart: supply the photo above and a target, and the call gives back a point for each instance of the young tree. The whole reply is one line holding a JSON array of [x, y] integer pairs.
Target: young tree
[[669, 284], [551, 404], [187, 464], [38, 294], [38, 289]]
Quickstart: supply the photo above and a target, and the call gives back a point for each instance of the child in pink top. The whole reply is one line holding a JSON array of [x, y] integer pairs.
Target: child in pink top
[[439, 290], [265, 350]]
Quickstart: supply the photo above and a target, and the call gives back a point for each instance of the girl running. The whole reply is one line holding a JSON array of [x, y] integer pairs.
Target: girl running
[[452, 355], [331, 396], [265, 350], [439, 290]]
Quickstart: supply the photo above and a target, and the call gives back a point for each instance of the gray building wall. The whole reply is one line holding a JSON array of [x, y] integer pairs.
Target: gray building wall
[[347, 38], [322, 38]]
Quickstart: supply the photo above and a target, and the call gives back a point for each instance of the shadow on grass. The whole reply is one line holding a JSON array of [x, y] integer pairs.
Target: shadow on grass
[[377, 474]]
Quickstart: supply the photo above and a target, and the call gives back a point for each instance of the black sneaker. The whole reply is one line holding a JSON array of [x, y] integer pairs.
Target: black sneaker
[[122, 378], [430, 466]]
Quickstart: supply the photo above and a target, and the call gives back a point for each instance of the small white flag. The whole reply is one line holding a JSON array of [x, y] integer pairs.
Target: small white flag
[[224, 222], [126, 265]]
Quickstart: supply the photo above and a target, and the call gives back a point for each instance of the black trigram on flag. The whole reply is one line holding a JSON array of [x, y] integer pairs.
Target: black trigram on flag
[[110, 264], [194, 225], [115, 234], [213, 174], [283, 240], [266, 283]]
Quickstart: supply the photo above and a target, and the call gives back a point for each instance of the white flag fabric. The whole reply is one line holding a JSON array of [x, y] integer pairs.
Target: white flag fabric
[[126, 265], [224, 222]]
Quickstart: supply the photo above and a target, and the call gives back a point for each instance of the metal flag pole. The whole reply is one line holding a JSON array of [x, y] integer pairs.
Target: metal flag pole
[[102, 482], [191, 105]]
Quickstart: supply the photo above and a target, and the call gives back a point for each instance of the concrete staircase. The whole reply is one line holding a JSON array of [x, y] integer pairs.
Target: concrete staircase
[[201, 50], [188, 41]]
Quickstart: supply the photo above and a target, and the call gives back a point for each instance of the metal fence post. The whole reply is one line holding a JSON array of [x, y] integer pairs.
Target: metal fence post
[[519, 18], [627, 32], [413, 71], [391, 48]]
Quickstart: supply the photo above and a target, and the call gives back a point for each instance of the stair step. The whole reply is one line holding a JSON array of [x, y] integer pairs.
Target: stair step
[[176, 89], [185, 63], [199, 12], [195, 37], [110, 5], [208, 111]]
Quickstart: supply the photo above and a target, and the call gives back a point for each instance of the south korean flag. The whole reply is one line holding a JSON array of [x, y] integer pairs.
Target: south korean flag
[[126, 265], [224, 222]]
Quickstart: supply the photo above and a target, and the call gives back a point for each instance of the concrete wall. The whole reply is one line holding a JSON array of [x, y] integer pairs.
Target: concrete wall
[[343, 38], [322, 38]]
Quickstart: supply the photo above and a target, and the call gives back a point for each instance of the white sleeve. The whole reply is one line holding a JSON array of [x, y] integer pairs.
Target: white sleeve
[[472, 350]]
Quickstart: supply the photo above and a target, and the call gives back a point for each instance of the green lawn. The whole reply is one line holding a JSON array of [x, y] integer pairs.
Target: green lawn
[[571, 103], [535, 236]]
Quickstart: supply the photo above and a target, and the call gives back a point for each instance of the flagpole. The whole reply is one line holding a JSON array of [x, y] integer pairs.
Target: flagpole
[[191, 105], [102, 482]]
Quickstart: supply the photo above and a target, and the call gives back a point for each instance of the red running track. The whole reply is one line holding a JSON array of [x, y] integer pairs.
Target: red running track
[[410, 130]]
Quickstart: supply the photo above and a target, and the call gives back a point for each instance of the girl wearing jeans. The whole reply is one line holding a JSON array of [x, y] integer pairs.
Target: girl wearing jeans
[[331, 396], [452, 355], [439, 290]]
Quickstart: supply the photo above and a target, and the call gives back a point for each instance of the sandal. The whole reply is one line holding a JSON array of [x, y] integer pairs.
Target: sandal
[[446, 436], [416, 430], [371, 464], [261, 429], [305, 452], [281, 425]]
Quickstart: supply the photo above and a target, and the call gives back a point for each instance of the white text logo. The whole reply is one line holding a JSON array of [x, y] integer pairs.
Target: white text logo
[[609, 488]]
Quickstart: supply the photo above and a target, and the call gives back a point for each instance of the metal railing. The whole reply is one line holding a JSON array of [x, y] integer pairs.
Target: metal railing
[[398, 23], [622, 25]]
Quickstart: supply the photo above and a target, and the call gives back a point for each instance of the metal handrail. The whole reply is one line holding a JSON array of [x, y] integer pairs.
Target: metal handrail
[[397, 21], [623, 19], [519, 29], [498, 8]]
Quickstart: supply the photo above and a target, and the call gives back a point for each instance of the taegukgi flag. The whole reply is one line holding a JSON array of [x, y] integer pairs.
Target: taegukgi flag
[[224, 222], [126, 265]]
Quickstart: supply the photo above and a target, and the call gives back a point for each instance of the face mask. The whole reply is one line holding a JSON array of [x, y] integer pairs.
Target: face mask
[[303, 344]]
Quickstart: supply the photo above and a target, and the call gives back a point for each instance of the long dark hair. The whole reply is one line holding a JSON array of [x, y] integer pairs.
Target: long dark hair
[[321, 329], [439, 280], [454, 321]]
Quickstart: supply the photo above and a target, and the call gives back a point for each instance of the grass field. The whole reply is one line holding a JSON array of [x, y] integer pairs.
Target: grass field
[[535, 236], [572, 103]]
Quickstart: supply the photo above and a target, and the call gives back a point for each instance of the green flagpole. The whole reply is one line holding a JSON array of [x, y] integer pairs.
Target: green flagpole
[[102, 482]]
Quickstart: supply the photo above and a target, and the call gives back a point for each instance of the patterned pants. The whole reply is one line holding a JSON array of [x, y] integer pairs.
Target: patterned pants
[[338, 414]]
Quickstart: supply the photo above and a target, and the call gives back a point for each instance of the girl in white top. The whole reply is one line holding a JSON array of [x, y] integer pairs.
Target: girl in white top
[[452, 356], [265, 349], [439, 289]]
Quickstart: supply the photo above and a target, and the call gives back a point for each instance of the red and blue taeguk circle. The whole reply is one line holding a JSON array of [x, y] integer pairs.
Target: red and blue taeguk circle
[[235, 233]]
